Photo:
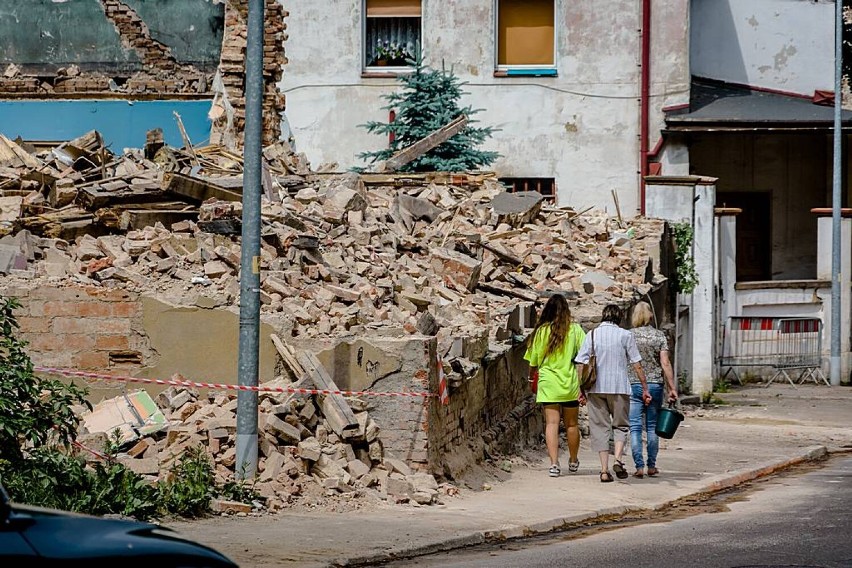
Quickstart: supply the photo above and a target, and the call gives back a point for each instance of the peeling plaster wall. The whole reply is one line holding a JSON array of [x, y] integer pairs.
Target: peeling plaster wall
[[581, 127], [779, 44]]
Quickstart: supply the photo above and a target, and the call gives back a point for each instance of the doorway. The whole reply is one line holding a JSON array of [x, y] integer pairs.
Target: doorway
[[754, 243]]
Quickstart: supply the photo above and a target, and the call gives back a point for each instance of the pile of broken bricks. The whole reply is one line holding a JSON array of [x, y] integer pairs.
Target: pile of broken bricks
[[341, 254], [305, 455]]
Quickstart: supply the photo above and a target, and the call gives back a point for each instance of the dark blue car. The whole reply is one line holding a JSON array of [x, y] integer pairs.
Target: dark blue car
[[33, 536]]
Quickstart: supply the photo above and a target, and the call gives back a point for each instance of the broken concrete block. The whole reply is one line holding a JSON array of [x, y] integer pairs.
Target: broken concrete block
[[284, 431], [229, 507], [517, 209], [144, 466], [274, 465], [398, 487], [459, 268], [357, 469], [394, 464]]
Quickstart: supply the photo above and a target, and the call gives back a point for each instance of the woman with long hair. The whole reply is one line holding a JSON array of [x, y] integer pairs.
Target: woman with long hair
[[550, 353]]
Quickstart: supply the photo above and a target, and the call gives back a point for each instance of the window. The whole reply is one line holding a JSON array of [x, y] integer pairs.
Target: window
[[392, 30], [545, 186], [525, 36]]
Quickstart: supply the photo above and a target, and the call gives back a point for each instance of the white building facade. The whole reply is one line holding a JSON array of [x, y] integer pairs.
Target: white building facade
[[561, 80]]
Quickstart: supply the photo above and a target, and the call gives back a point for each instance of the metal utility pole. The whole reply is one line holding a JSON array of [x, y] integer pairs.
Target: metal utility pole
[[836, 199], [246, 464]]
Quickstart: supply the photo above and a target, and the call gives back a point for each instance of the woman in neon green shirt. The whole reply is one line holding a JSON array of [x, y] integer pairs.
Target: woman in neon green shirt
[[551, 351]]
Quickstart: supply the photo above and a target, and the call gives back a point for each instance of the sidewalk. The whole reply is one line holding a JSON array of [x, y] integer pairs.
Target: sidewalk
[[760, 431]]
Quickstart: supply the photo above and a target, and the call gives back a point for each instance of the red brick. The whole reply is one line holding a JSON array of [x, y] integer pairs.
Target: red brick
[[113, 326], [109, 295], [71, 325], [35, 308], [125, 309], [93, 309], [63, 294], [53, 359], [33, 325], [118, 342], [57, 308], [91, 360], [44, 342]]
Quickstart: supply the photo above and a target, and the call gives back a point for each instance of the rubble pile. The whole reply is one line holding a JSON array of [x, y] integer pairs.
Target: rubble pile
[[440, 254], [341, 254], [305, 456]]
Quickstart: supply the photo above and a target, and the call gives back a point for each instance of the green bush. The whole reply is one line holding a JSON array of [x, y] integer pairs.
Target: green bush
[[191, 486], [34, 411]]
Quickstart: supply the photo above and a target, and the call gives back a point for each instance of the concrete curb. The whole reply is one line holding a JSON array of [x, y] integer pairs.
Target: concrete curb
[[720, 483]]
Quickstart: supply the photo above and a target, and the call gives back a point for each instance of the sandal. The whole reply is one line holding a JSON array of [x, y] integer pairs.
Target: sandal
[[618, 468], [652, 471], [573, 466], [554, 471], [606, 477], [638, 474]]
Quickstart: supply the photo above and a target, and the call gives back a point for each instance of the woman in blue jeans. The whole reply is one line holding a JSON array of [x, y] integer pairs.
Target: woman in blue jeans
[[654, 348]]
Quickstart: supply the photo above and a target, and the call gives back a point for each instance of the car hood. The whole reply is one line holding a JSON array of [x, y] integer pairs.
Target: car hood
[[68, 536]]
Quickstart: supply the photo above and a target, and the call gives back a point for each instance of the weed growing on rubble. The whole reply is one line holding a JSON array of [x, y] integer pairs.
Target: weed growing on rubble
[[190, 488], [429, 99]]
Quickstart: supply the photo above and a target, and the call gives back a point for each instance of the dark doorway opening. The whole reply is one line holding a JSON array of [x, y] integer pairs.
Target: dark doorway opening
[[754, 248]]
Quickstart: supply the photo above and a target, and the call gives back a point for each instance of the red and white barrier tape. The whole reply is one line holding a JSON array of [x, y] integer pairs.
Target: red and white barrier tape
[[222, 386], [95, 453]]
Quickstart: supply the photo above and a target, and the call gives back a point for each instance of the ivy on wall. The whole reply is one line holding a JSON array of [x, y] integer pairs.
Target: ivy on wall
[[686, 278]]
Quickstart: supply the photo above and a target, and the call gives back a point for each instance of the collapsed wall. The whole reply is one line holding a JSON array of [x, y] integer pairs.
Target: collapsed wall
[[383, 276]]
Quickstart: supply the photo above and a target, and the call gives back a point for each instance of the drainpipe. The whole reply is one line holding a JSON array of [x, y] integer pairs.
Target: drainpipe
[[644, 100]]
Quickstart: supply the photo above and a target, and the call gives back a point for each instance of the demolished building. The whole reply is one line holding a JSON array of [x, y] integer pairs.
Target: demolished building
[[129, 266]]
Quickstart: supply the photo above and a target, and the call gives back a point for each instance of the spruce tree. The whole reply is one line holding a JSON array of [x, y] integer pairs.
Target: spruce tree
[[428, 100]]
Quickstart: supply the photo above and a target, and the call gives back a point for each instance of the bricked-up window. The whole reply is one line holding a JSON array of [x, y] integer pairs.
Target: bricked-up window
[[545, 186], [392, 32], [525, 34]]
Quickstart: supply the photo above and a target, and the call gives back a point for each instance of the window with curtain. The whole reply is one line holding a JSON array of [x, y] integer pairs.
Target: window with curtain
[[525, 33], [392, 31]]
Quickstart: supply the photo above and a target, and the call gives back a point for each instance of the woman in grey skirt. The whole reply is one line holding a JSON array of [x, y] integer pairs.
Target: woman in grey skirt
[[609, 399]]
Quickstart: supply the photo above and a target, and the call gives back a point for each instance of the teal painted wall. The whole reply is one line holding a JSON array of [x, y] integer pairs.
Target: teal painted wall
[[46, 34], [122, 123]]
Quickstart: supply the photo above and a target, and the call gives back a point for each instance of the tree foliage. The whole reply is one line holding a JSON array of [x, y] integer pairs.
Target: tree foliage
[[34, 411], [428, 100]]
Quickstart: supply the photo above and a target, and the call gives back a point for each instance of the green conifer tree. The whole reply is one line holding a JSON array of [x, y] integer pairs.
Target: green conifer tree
[[429, 99]]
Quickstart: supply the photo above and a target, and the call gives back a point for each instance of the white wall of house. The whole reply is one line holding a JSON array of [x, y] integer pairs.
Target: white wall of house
[[777, 44], [580, 127]]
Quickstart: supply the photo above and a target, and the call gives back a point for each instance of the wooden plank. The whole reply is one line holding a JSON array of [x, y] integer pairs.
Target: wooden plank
[[504, 290], [93, 197], [502, 255], [287, 355], [334, 407], [430, 141], [140, 218], [111, 216], [197, 189]]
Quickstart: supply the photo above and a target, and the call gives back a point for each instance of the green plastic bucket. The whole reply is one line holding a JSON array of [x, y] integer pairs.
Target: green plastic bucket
[[667, 422]]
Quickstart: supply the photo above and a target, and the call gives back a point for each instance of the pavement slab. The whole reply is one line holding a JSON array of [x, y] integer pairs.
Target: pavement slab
[[757, 432]]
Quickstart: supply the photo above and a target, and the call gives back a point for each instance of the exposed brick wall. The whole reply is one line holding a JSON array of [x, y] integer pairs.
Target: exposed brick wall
[[83, 328], [232, 68], [493, 410], [163, 75]]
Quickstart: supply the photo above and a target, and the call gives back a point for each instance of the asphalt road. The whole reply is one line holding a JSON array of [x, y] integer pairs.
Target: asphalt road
[[794, 520]]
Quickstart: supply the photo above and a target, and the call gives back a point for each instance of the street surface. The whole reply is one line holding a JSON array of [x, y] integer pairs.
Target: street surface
[[793, 520]]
